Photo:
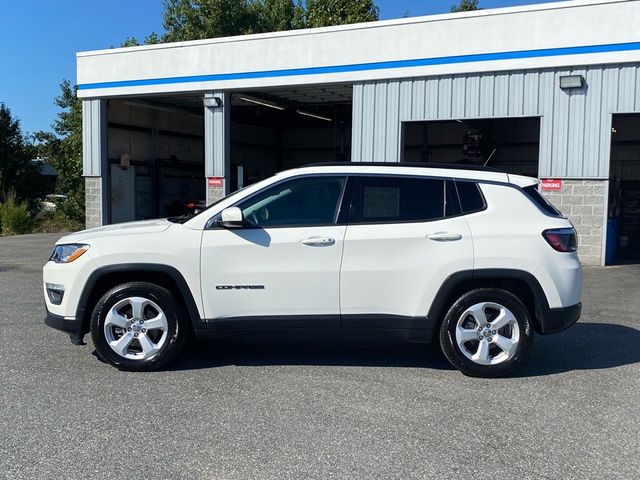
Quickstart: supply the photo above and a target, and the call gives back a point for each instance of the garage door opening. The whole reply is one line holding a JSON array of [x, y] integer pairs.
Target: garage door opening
[[285, 128], [623, 225], [509, 144], [156, 157]]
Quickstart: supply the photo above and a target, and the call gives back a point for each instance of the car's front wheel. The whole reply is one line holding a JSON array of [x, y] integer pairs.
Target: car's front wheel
[[138, 326], [487, 333]]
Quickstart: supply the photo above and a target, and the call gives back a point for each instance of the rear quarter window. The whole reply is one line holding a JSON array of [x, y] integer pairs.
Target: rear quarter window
[[534, 195]]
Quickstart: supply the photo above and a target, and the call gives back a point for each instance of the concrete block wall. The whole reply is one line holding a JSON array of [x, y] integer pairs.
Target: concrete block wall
[[214, 193], [93, 201], [584, 203]]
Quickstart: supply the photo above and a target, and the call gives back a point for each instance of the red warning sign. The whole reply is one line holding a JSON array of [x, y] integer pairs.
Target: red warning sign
[[215, 181]]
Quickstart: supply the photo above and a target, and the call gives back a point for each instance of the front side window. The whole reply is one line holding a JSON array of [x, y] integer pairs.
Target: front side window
[[295, 203], [399, 199]]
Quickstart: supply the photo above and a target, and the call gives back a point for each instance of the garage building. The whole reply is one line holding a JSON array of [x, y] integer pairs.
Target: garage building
[[549, 90]]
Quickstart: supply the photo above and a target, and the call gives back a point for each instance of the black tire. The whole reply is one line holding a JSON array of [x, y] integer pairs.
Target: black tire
[[455, 355], [177, 332]]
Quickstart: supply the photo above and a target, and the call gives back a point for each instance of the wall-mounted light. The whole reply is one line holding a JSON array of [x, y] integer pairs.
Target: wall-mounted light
[[314, 115], [212, 102], [571, 81], [264, 103]]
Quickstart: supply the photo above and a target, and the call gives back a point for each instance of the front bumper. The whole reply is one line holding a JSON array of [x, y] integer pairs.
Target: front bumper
[[69, 325], [554, 320]]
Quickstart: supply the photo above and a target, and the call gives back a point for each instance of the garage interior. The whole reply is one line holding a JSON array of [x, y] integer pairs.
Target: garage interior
[[156, 156], [156, 144], [278, 129], [623, 225], [510, 144]]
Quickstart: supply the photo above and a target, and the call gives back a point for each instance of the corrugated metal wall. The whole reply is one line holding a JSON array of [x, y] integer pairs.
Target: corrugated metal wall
[[94, 136], [575, 130]]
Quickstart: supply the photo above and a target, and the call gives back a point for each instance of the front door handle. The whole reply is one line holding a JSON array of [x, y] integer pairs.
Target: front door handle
[[318, 241], [444, 236]]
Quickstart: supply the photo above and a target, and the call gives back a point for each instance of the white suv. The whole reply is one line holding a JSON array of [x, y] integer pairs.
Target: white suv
[[473, 256]]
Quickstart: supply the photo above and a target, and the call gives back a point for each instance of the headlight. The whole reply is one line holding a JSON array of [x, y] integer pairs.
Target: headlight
[[68, 253]]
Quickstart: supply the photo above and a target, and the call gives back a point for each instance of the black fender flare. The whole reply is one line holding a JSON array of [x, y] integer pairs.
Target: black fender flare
[[442, 299], [82, 310]]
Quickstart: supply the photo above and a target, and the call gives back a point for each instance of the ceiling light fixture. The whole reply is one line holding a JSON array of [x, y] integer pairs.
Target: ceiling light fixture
[[264, 103], [162, 108], [313, 115]]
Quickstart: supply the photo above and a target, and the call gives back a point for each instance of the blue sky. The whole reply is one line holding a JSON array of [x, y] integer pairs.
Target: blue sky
[[39, 39]]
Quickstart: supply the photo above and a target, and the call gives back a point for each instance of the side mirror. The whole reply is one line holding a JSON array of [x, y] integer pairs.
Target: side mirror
[[231, 218]]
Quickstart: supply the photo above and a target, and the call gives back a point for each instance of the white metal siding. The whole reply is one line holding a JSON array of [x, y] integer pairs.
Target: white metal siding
[[575, 127]]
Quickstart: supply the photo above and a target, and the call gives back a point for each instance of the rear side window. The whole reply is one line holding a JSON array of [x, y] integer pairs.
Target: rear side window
[[471, 199], [534, 195], [398, 199]]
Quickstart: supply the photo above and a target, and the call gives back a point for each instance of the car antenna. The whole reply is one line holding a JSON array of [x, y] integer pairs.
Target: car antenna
[[494, 151]]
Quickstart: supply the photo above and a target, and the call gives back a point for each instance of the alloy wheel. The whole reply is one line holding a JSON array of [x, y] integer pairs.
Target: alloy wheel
[[136, 328], [487, 333]]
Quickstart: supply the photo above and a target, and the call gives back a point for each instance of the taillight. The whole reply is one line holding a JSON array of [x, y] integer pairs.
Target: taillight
[[562, 239]]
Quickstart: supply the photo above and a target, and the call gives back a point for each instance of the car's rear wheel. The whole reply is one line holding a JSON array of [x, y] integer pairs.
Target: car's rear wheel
[[138, 326], [487, 333]]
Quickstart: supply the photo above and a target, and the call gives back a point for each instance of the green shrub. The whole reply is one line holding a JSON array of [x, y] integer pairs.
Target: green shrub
[[57, 222], [15, 219], [73, 207]]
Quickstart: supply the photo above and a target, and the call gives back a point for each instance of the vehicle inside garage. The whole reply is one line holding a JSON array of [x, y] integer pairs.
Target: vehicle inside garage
[[623, 226], [510, 144]]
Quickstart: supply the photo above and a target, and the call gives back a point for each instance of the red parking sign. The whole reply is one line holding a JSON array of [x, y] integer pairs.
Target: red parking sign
[[551, 184]]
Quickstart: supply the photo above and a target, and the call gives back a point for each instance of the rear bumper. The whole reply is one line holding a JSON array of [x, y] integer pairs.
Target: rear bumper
[[69, 325], [554, 320]]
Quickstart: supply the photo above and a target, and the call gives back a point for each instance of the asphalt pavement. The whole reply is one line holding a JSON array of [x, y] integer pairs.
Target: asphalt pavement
[[292, 407]]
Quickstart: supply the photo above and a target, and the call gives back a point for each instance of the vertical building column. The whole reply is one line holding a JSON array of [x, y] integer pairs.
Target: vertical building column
[[95, 162], [357, 105], [217, 144]]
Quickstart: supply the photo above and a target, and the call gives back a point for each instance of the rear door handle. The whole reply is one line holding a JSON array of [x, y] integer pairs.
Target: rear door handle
[[444, 236], [318, 241]]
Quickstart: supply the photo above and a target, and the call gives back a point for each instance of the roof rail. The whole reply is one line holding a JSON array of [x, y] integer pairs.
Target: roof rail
[[452, 166]]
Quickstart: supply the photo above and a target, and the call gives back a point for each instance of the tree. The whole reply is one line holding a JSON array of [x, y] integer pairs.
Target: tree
[[277, 15], [151, 39], [63, 150], [18, 176], [466, 6], [323, 13], [198, 19]]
